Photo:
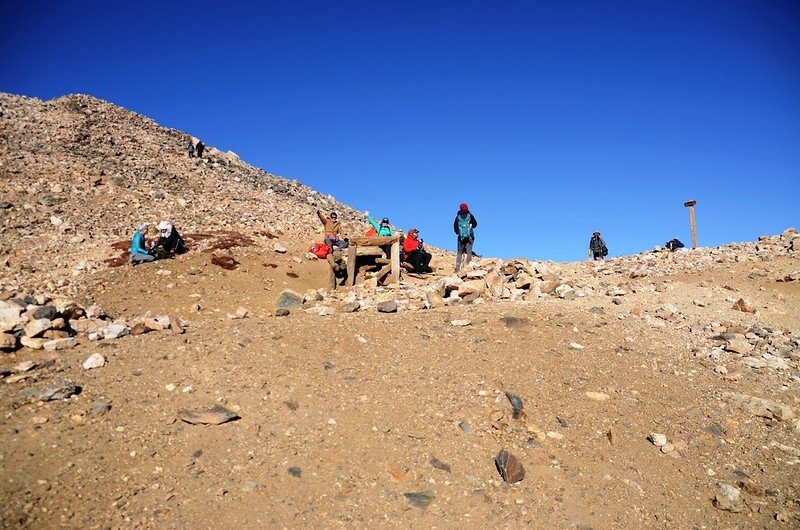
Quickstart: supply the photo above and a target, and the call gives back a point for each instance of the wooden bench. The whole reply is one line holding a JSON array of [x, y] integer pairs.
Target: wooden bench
[[371, 246]]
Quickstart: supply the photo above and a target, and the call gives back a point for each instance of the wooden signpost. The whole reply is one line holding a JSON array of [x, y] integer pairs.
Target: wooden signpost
[[690, 205]]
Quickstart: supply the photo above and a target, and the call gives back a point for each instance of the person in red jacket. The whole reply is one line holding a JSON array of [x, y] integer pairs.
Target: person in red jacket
[[415, 254]]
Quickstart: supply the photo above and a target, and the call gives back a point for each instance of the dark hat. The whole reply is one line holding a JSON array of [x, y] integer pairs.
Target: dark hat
[[596, 234], [463, 207], [385, 220]]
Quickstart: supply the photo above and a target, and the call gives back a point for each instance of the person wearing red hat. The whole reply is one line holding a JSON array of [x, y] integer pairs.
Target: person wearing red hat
[[464, 226]]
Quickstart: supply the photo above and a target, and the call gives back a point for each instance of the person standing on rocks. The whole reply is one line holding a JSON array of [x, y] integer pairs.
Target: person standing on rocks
[[200, 148], [464, 226], [139, 253], [597, 247], [191, 148], [333, 230]]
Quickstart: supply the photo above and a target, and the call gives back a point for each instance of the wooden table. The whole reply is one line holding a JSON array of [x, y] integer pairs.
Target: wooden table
[[371, 246]]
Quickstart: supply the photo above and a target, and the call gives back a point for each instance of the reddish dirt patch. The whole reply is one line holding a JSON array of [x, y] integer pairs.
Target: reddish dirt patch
[[221, 240], [210, 241], [226, 262]]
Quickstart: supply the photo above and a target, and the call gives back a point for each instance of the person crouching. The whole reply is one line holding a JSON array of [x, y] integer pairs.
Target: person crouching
[[169, 241], [415, 254], [139, 253]]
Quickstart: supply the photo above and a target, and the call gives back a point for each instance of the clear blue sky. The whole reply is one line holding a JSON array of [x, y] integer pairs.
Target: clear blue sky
[[551, 119]]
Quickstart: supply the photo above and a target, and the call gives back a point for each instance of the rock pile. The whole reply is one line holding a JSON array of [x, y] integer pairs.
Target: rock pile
[[37, 322], [513, 280]]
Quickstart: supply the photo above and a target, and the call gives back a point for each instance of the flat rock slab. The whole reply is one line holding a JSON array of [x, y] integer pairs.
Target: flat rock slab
[[59, 390], [60, 344], [420, 499], [760, 407], [215, 415]]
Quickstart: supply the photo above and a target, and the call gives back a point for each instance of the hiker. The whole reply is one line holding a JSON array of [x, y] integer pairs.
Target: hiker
[[200, 148], [333, 231], [415, 254], [191, 148], [597, 247], [139, 253], [382, 229], [169, 241], [674, 244], [464, 226]]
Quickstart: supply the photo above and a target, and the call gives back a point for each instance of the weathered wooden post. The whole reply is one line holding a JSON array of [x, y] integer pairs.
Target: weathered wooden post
[[690, 205]]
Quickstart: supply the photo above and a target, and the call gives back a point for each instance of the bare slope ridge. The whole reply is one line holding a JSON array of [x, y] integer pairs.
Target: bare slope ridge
[[657, 390]]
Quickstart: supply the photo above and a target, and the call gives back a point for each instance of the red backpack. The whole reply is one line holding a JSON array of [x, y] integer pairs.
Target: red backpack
[[320, 250]]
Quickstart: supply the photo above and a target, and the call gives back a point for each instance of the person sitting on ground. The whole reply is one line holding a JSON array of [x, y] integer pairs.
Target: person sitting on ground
[[674, 244], [597, 247], [169, 241], [382, 229], [415, 254], [139, 253], [333, 231]]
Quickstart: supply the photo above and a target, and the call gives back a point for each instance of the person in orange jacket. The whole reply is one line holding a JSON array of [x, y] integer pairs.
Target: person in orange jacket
[[415, 254]]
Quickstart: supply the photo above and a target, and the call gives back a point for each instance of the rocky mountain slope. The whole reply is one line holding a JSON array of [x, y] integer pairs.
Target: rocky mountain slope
[[655, 390]]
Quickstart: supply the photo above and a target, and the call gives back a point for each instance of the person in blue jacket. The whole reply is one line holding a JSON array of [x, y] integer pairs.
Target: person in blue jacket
[[139, 253]]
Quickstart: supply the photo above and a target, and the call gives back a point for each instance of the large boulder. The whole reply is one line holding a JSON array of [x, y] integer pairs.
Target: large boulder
[[495, 282], [10, 318], [471, 287], [37, 327]]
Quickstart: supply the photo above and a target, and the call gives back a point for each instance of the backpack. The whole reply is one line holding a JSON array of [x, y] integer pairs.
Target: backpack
[[320, 250], [465, 227]]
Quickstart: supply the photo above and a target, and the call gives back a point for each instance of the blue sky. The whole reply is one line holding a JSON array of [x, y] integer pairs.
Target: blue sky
[[551, 119]]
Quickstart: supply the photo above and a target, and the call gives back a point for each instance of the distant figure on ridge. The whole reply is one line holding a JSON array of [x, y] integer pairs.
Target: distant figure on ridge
[[674, 244], [139, 253], [200, 148], [464, 226], [169, 241], [191, 148], [597, 247], [333, 231], [415, 254]]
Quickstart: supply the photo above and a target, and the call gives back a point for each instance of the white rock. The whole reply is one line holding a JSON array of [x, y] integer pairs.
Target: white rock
[[597, 396], [657, 439], [460, 322], [115, 331], [95, 360], [60, 344], [280, 249], [575, 346]]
